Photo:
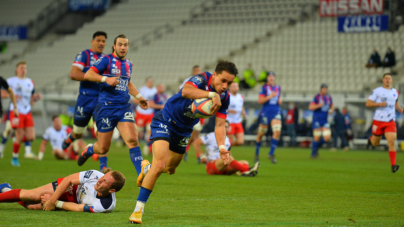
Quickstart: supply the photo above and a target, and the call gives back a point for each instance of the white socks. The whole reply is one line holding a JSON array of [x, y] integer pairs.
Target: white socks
[[28, 149], [139, 205], [40, 155]]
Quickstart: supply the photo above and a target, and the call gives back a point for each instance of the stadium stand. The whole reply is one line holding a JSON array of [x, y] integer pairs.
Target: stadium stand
[[27, 10], [314, 51]]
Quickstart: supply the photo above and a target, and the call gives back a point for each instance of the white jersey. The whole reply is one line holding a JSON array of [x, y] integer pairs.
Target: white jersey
[[236, 104], [86, 194], [183, 82], [56, 137], [212, 149], [390, 96], [147, 93], [23, 90]]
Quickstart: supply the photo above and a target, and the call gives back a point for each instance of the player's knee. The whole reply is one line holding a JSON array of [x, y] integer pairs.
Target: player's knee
[[171, 170], [104, 149], [327, 138], [77, 130], [132, 141], [277, 134], [240, 142], [158, 168], [262, 130]]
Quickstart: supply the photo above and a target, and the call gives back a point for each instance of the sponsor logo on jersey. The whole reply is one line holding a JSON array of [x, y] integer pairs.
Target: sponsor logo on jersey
[[129, 116], [80, 110], [97, 62], [184, 142], [107, 122], [164, 127], [88, 174]]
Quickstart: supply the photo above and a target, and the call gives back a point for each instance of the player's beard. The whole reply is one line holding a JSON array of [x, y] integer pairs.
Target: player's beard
[[120, 56]]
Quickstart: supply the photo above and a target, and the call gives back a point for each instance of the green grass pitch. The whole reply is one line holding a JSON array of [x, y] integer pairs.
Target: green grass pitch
[[354, 188]]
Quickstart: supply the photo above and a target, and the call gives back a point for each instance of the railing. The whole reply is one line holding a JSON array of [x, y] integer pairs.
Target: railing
[[48, 16]]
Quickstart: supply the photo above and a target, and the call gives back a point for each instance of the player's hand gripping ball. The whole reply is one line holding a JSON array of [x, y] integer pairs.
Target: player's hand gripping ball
[[201, 108]]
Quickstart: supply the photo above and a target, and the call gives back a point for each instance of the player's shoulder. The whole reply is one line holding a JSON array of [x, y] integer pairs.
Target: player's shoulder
[[91, 173], [12, 79]]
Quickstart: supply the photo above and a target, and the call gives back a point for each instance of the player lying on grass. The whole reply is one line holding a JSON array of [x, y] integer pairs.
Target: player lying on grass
[[55, 134], [87, 191], [215, 164]]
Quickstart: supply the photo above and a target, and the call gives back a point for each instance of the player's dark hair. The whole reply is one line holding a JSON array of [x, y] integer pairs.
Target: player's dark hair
[[227, 66], [100, 33], [195, 66], [54, 117], [119, 180], [119, 36], [386, 74]]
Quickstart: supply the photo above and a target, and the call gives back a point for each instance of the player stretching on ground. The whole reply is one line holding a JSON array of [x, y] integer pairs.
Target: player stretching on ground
[[215, 164], [236, 110], [55, 135], [270, 96], [88, 92], [23, 124], [172, 127], [113, 109], [385, 98], [321, 106], [4, 85], [143, 117], [87, 191]]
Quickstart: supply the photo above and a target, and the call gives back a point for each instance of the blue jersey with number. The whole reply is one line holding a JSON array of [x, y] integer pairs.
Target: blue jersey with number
[[159, 99], [271, 105], [112, 66], [321, 114], [178, 109], [84, 60]]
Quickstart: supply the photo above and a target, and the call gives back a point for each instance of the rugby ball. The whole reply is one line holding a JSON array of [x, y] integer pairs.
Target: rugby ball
[[201, 108]]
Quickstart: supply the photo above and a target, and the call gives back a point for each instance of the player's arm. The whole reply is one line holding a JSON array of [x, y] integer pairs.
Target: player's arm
[[42, 147], [140, 100], [315, 106], [243, 113], [398, 108], [193, 92], [153, 105], [76, 73], [263, 99], [13, 100], [370, 103], [74, 207], [220, 133], [280, 100], [73, 179]]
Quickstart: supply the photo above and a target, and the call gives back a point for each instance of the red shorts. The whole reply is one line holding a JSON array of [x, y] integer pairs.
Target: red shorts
[[236, 128], [381, 127], [212, 170], [142, 119], [202, 121], [69, 195], [22, 121]]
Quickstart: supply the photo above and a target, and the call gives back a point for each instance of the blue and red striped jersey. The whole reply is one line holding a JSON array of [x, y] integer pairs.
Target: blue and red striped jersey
[[178, 109], [84, 60], [112, 66]]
